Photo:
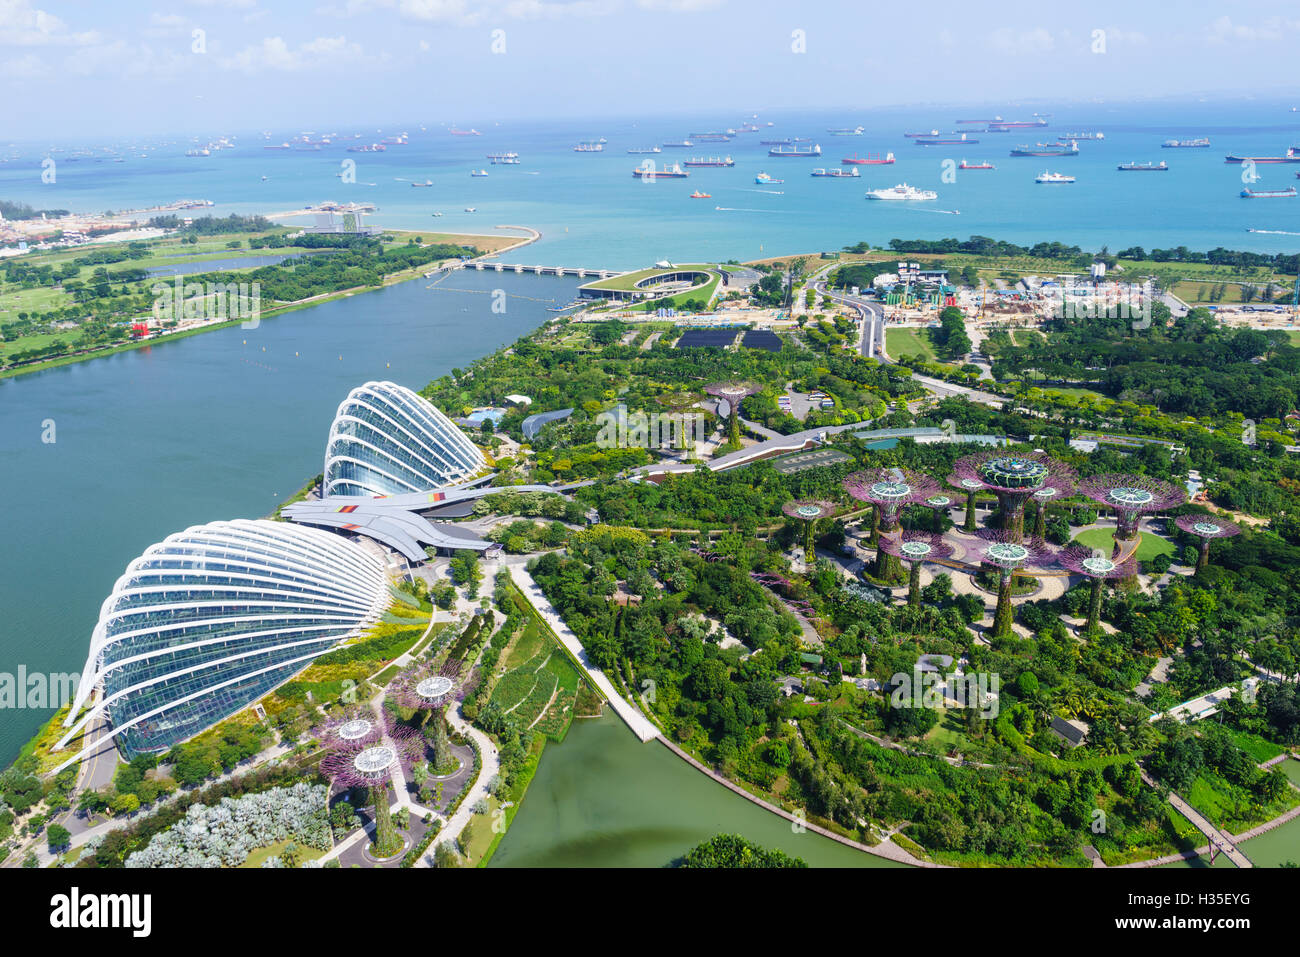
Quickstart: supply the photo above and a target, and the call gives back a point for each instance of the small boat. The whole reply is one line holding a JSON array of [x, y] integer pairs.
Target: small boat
[[698, 195], [427, 182], [763, 179], [1046, 177], [471, 209], [435, 214], [475, 172], [263, 178], [965, 165]]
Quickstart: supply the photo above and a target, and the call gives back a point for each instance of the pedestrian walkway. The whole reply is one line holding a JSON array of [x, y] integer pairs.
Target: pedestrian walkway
[[641, 726]]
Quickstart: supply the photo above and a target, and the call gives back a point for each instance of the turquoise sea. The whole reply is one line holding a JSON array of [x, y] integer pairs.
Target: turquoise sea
[[593, 212]]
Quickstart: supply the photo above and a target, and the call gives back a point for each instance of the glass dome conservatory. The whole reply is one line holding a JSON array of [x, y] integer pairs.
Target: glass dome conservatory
[[387, 440], [212, 618]]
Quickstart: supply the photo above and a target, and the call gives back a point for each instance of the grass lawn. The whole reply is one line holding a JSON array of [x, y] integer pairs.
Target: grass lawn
[[1151, 546], [1258, 748], [909, 342], [256, 857], [1294, 335]]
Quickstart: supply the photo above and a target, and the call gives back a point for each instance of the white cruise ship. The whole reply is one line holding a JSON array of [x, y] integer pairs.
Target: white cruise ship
[[902, 191], [1046, 177]]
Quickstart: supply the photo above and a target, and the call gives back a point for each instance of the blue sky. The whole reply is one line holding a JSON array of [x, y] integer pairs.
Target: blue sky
[[97, 67]]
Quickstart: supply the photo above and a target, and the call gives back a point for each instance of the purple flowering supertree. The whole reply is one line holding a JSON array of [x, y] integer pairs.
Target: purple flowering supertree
[[1010, 554], [889, 489], [1206, 527], [420, 687], [370, 765], [1093, 564], [734, 393], [938, 505], [916, 548], [349, 727], [1013, 477], [808, 512], [1131, 497], [969, 487]]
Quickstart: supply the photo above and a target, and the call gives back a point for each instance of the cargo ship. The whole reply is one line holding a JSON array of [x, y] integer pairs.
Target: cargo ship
[[835, 173], [683, 144], [1291, 156], [871, 159], [710, 137], [775, 142], [589, 148], [427, 182], [965, 165], [1201, 143], [1048, 149], [668, 172], [456, 132], [1160, 167], [1066, 137], [1017, 124], [996, 119], [645, 152], [282, 146], [960, 140], [199, 152], [915, 135], [902, 192], [478, 172], [763, 179], [794, 151], [710, 161], [372, 148], [847, 131], [1050, 178], [1268, 193]]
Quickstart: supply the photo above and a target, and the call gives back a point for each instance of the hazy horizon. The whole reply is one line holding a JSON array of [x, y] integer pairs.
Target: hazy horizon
[[76, 71]]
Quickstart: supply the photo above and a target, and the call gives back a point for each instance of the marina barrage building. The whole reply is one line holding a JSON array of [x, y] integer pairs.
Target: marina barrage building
[[388, 440], [212, 618]]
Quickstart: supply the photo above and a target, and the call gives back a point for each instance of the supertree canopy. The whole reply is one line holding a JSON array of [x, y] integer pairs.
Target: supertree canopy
[[1042, 497], [422, 688], [916, 548], [889, 489], [1010, 554], [969, 487], [1013, 477], [938, 505], [808, 512], [1206, 527], [368, 762], [1131, 496], [734, 393], [1093, 564]]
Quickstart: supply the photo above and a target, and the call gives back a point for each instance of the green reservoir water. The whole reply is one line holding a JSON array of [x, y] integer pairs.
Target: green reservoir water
[[604, 799], [1272, 848]]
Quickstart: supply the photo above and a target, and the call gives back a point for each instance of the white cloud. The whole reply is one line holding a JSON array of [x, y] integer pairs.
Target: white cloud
[[233, 4], [542, 10], [1013, 42], [1223, 30], [274, 54], [21, 24], [679, 6], [26, 67]]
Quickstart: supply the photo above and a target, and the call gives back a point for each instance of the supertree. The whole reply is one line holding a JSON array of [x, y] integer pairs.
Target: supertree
[[916, 548], [1094, 565], [1009, 554], [1013, 478], [938, 505], [351, 727], [889, 489], [369, 765], [1206, 527], [734, 393], [808, 512], [969, 486], [429, 691], [1131, 497], [1044, 495]]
